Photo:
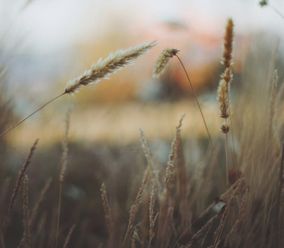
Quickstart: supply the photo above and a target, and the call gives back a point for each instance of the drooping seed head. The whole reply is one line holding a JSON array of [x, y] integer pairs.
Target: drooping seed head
[[228, 44], [163, 60], [107, 66]]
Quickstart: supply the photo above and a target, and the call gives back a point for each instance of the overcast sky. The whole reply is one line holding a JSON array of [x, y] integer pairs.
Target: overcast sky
[[54, 24]]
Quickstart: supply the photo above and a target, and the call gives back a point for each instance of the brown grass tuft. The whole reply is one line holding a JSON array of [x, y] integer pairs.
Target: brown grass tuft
[[107, 211]]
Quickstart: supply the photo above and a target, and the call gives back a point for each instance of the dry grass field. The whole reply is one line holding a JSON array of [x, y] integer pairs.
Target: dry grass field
[[193, 172]]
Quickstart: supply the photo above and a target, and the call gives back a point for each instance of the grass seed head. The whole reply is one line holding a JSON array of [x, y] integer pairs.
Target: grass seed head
[[107, 66], [223, 98], [163, 60], [228, 44]]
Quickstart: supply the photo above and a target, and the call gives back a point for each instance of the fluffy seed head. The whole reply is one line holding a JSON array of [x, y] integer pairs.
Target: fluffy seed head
[[223, 98], [228, 44], [163, 60], [227, 75], [105, 67]]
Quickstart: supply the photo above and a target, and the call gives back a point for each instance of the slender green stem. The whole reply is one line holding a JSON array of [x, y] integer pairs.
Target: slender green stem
[[195, 97], [30, 115]]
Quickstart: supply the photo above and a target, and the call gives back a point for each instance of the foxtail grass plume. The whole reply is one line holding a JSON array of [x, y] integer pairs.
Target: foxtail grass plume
[[105, 67], [223, 93], [223, 99], [163, 60], [228, 44]]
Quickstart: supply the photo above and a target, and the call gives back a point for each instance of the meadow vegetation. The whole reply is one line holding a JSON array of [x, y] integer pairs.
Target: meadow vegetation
[[125, 197]]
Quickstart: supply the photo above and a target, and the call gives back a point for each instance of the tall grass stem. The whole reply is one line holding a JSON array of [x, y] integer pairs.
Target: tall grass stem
[[196, 99]]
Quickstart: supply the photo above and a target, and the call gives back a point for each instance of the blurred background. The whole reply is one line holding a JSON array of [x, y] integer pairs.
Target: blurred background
[[46, 43]]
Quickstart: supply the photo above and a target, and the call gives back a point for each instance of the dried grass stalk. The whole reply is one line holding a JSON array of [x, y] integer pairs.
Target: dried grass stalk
[[40, 231], [63, 166], [107, 210], [105, 67], [135, 206], [64, 157], [170, 176], [241, 216], [146, 149], [180, 163], [175, 178], [203, 230], [163, 60], [152, 213], [196, 99], [68, 237], [279, 199], [39, 201], [26, 239], [173, 200], [21, 175], [273, 97], [150, 159], [159, 68]]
